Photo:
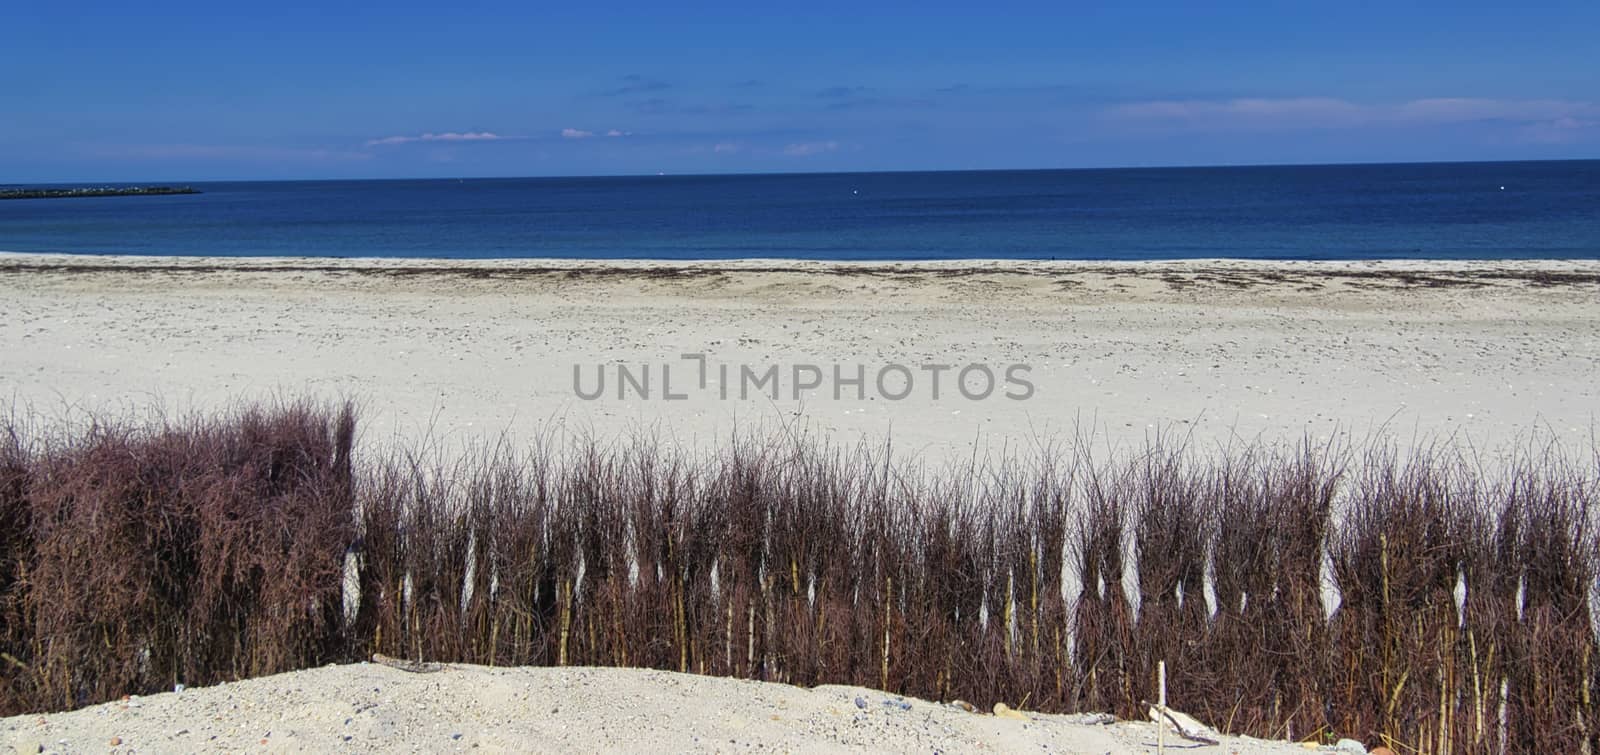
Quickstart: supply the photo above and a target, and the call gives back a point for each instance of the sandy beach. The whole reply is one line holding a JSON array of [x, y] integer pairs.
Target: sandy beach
[[1223, 351], [1488, 354]]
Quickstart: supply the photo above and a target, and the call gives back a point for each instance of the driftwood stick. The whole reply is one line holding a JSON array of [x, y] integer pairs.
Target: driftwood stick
[[415, 667]]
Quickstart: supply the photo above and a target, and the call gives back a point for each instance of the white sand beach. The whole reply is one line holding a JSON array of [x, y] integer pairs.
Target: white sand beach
[[1221, 351]]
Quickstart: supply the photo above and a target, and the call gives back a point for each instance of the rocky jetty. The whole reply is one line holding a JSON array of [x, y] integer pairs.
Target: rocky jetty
[[95, 191]]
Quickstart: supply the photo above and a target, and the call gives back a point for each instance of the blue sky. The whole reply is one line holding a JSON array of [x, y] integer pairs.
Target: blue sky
[[201, 90]]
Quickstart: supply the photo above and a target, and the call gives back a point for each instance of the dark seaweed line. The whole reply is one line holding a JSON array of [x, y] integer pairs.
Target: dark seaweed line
[[1240, 279]]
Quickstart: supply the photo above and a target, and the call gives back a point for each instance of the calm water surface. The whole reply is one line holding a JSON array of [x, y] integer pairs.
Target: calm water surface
[[1436, 211]]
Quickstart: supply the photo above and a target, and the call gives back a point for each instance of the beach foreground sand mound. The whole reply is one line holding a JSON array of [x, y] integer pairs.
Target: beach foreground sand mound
[[372, 707]]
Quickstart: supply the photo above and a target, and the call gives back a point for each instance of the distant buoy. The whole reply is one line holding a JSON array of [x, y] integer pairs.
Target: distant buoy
[[856, 191], [1502, 188]]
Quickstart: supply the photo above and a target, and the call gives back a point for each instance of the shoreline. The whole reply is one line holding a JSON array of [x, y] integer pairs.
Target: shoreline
[[66, 261]]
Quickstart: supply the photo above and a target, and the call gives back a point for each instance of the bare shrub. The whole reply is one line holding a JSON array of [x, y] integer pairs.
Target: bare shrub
[[192, 553], [135, 557], [16, 554], [1546, 548], [1171, 539], [1103, 621], [1397, 557]]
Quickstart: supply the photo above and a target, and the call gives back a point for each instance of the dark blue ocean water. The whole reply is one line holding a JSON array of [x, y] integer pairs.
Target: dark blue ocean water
[[1442, 211]]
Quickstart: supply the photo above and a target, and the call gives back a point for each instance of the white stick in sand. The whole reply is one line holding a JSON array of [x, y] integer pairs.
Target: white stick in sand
[[1161, 730]]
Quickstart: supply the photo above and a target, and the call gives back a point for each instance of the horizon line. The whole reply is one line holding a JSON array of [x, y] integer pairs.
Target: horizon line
[[1205, 166]]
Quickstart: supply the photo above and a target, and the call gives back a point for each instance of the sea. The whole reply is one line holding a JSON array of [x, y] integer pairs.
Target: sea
[[1502, 210]]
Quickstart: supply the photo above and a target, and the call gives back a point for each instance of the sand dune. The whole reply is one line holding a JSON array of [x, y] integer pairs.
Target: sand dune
[[375, 708]]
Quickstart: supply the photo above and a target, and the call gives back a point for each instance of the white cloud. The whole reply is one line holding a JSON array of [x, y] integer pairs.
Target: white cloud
[[578, 133], [803, 149], [1456, 109], [1330, 112], [247, 153], [1311, 108], [448, 136], [1562, 131]]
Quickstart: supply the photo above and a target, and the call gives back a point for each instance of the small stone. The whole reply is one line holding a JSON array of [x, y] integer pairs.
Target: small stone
[[1350, 746], [115, 741], [964, 705], [861, 703], [1089, 719]]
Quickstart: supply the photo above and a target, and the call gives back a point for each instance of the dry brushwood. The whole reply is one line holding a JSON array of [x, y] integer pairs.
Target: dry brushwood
[[134, 558]]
